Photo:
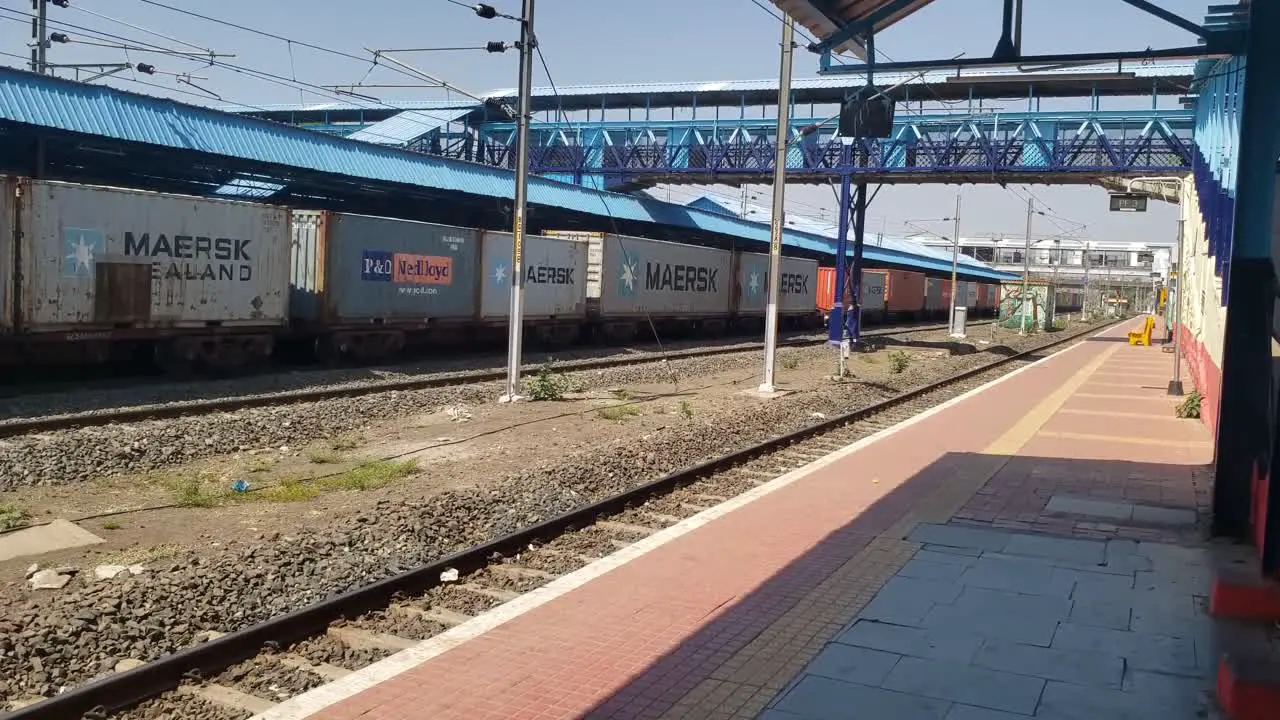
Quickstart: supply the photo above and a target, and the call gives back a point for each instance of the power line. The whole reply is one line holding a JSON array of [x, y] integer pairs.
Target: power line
[[262, 75]]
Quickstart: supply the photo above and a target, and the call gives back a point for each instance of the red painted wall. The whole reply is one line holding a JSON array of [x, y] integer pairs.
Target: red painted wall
[[1205, 375]]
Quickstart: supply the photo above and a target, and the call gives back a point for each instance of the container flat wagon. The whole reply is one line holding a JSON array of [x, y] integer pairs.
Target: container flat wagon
[[105, 273]]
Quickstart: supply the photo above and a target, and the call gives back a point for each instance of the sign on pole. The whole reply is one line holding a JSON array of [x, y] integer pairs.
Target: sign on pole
[[1128, 202]]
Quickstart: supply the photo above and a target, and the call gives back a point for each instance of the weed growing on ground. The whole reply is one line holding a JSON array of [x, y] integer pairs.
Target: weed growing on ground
[[345, 441], [288, 490], [618, 412], [111, 525], [11, 516], [898, 361], [686, 409], [372, 476], [1189, 408], [790, 362], [190, 492], [548, 384], [321, 457], [143, 555], [623, 394]]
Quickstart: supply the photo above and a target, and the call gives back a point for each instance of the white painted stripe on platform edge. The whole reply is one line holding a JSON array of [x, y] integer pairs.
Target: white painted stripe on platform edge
[[315, 700]]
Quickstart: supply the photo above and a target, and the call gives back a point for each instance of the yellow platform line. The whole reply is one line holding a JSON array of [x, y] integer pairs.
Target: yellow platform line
[[946, 501], [1106, 396], [1134, 415], [1088, 437]]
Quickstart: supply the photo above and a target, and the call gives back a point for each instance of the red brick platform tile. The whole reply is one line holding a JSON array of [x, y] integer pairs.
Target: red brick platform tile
[[714, 620]]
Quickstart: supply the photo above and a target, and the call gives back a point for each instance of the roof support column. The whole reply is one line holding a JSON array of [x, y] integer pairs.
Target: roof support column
[[1245, 436]]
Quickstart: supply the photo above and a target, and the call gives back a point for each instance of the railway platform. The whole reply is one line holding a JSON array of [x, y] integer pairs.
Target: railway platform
[[1029, 549]]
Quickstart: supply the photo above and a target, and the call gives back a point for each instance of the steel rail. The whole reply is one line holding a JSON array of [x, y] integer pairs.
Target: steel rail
[[116, 692], [23, 426]]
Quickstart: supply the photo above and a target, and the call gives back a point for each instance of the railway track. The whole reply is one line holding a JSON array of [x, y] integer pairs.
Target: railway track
[[156, 411], [247, 671]]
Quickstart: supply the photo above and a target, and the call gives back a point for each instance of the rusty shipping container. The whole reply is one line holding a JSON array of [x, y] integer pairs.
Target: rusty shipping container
[[875, 284], [359, 269], [108, 258], [905, 293], [797, 292], [555, 271]]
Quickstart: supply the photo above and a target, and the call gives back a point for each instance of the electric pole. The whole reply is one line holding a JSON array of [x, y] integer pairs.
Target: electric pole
[[39, 36], [956, 330], [782, 140], [516, 316], [1026, 268]]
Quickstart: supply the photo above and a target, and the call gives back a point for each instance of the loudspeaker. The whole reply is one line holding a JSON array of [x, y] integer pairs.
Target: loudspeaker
[[867, 118]]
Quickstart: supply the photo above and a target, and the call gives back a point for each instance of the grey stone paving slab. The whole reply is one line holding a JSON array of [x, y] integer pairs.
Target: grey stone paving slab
[[924, 569], [899, 608], [1085, 578], [961, 682], [782, 715], [969, 712], [992, 623], [946, 558], [835, 700], [1161, 689], [853, 664], [1158, 653], [1064, 701], [949, 550], [1020, 575], [940, 644], [960, 537], [1088, 552], [1081, 667], [934, 590], [1116, 616], [1092, 508], [1163, 516]]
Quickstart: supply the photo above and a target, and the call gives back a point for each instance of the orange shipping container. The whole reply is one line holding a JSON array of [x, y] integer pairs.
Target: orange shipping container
[[826, 288], [904, 293]]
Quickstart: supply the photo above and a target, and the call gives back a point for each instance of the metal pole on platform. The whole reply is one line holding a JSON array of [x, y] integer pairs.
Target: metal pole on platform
[[835, 324], [515, 319], [1175, 383], [781, 142], [1026, 269], [955, 262]]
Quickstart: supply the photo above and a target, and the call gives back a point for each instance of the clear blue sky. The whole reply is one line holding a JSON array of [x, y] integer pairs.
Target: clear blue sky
[[610, 41]]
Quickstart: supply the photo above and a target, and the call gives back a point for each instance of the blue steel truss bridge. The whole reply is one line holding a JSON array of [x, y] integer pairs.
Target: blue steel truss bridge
[[978, 126]]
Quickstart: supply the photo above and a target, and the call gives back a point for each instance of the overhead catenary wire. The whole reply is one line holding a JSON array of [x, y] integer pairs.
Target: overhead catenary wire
[[262, 75]]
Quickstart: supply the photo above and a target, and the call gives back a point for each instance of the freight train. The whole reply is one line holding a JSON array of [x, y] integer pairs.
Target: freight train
[[90, 274], [905, 296]]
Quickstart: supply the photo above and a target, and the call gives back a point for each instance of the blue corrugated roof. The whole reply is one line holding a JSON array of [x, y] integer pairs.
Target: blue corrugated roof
[[727, 206], [46, 101], [408, 126]]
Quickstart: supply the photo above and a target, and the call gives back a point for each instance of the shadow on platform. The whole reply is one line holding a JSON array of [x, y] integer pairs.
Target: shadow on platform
[[1064, 588]]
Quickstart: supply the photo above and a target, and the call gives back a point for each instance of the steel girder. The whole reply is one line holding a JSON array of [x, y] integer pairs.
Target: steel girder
[[1049, 147]]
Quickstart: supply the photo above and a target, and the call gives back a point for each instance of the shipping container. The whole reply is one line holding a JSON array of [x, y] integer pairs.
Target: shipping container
[[641, 277], [555, 272], [825, 298], [8, 216], [935, 296], [874, 283], [358, 269], [797, 292], [96, 258], [595, 256], [906, 294]]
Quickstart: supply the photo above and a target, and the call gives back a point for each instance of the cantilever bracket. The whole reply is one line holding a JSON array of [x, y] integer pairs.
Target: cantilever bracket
[[849, 31]]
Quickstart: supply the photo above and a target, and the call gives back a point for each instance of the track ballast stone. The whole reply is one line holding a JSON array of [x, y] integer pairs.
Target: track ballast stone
[[64, 638]]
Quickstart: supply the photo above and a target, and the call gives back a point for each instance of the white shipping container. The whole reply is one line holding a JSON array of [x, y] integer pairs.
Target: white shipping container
[[8, 205], [873, 289], [798, 291], [555, 271], [971, 295], [639, 276], [595, 255], [112, 258]]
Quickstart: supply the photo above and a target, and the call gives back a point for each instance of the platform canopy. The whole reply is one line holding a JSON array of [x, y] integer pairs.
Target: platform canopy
[[842, 23]]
